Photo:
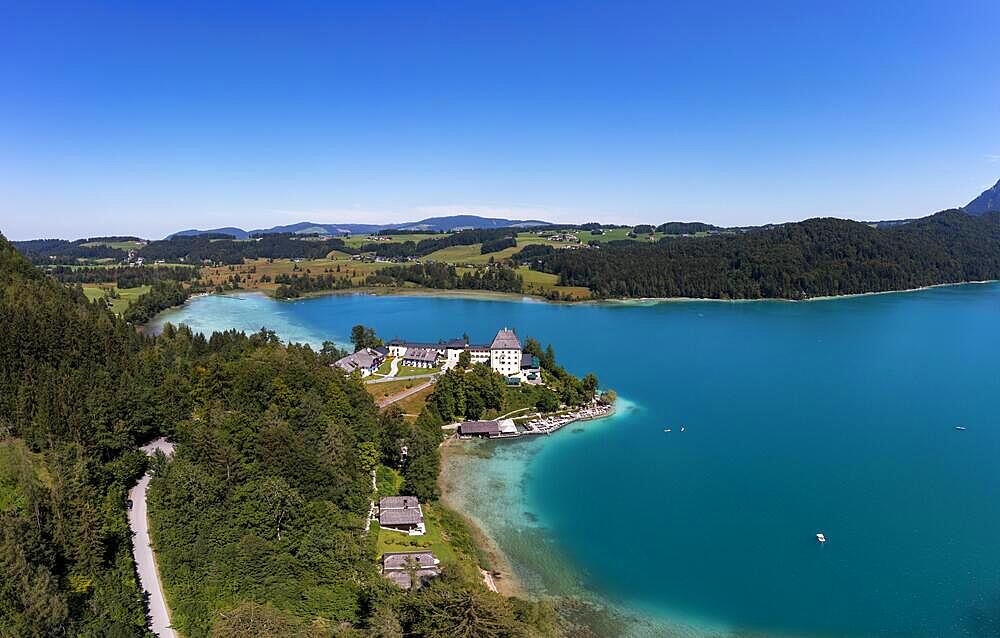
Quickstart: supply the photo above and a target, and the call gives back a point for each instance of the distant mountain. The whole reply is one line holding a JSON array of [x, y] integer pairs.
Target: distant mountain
[[987, 202], [238, 233], [431, 224]]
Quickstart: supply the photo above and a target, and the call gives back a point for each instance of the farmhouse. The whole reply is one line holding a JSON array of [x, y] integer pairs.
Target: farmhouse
[[410, 569], [402, 514], [366, 360]]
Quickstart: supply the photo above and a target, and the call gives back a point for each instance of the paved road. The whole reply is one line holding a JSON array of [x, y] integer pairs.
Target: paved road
[[149, 576]]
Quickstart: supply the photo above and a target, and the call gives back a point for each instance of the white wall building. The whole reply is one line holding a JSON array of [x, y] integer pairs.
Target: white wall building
[[502, 355]]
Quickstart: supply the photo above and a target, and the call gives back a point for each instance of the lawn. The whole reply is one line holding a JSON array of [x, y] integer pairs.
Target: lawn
[[410, 371], [389, 388], [414, 404], [392, 541], [125, 295]]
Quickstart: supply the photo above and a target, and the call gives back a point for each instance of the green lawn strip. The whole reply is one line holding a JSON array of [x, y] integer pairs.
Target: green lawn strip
[[385, 367], [389, 388], [410, 371], [387, 481]]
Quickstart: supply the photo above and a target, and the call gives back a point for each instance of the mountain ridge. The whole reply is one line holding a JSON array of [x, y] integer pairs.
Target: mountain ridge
[[430, 224], [987, 202]]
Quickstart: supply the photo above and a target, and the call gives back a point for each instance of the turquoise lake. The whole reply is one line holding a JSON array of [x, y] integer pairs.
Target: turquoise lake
[[834, 416]]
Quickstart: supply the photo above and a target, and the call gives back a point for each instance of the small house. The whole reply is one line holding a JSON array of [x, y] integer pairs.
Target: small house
[[410, 569], [402, 514]]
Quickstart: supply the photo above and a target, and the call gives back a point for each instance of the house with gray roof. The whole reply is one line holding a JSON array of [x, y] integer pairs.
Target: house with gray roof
[[366, 361], [420, 357], [402, 514], [410, 569], [486, 429]]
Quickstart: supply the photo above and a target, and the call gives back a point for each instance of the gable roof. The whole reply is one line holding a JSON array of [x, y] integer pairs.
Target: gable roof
[[479, 427], [361, 359], [420, 354], [411, 516], [398, 560], [398, 502]]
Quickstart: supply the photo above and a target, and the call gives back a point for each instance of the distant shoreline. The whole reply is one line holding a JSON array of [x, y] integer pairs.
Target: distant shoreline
[[523, 297], [495, 295]]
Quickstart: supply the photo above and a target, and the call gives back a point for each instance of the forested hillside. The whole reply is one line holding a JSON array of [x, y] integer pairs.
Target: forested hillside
[[258, 521], [812, 258]]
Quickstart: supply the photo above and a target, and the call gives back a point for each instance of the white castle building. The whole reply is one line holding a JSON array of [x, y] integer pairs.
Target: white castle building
[[503, 355]]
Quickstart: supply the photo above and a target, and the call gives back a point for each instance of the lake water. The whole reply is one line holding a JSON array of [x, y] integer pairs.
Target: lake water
[[834, 416]]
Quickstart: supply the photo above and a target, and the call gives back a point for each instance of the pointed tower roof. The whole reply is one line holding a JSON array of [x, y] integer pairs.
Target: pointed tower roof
[[505, 340]]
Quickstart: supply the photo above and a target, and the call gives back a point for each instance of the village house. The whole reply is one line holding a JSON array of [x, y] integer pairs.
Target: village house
[[366, 361], [410, 569], [402, 514]]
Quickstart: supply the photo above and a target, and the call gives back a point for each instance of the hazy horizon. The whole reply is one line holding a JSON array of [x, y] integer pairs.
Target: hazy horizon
[[145, 120]]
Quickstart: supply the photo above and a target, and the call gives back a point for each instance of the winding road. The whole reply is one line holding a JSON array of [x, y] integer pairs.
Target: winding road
[[145, 561]]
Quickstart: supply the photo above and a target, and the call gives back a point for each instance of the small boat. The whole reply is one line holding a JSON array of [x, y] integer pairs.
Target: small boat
[[682, 428], [960, 428], [821, 537], [667, 430]]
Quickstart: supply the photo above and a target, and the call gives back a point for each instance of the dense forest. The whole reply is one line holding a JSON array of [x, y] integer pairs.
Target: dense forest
[[296, 285], [258, 520], [226, 250], [497, 278], [44, 251], [812, 258], [122, 276]]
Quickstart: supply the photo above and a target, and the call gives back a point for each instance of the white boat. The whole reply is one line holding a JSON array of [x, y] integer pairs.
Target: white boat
[[682, 428], [667, 430], [821, 537], [960, 427]]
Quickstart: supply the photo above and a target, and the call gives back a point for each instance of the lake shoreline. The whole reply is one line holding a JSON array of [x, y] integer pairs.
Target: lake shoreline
[[529, 298], [508, 583]]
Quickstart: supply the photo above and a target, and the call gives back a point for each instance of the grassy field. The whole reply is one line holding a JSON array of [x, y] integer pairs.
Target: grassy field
[[541, 283], [468, 255], [413, 405], [389, 388], [410, 371], [125, 295], [252, 271], [357, 241]]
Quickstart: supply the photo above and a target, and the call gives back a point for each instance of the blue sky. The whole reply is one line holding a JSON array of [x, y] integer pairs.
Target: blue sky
[[144, 118]]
